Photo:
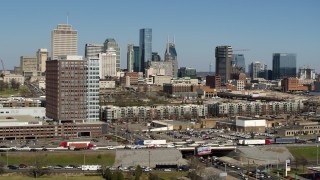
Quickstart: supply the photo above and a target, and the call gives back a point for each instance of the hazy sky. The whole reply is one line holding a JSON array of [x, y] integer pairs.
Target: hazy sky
[[263, 27]]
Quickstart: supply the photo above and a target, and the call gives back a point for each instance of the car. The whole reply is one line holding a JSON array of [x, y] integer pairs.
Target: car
[[44, 149], [12, 167], [58, 167], [3, 146], [167, 170], [12, 149], [33, 150], [22, 166], [70, 167]]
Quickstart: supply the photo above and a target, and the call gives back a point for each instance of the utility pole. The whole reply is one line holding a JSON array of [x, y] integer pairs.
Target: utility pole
[[149, 158]]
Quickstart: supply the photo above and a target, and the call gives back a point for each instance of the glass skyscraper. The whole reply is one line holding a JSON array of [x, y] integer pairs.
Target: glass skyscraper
[[239, 61], [284, 65], [223, 62], [145, 44]]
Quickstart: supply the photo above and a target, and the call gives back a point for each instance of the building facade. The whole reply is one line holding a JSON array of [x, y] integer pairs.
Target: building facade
[[154, 112], [223, 56], [130, 58], [284, 65], [66, 89], [172, 56], [92, 50], [29, 65], [93, 105], [255, 108], [258, 70], [187, 72], [145, 48], [111, 43], [42, 57], [213, 81], [64, 41], [108, 63], [238, 60]]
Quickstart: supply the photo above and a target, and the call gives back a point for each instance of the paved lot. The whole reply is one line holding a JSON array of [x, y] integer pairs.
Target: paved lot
[[133, 157]]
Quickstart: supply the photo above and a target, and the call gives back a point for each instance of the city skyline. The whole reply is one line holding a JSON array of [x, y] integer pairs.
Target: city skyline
[[263, 27]]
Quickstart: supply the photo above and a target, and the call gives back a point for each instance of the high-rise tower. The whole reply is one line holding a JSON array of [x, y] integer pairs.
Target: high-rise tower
[[42, 56], [171, 55], [64, 41], [72, 89], [223, 56], [111, 43], [239, 62], [145, 47], [284, 65]]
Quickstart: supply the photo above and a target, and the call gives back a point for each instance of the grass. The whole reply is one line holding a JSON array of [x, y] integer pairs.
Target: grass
[[20, 177], [170, 175], [8, 92], [307, 152], [62, 158]]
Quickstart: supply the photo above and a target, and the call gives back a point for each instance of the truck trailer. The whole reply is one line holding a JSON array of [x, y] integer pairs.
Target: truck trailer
[[247, 142], [90, 167], [77, 145]]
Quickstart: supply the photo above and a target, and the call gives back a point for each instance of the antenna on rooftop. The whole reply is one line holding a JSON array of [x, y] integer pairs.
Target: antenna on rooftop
[[67, 17]]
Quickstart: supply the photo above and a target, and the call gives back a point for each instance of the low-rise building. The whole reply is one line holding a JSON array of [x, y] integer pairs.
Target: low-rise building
[[16, 77]]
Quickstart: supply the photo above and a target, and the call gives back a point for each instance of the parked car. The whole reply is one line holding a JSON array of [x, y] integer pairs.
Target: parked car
[[22, 166], [12, 167]]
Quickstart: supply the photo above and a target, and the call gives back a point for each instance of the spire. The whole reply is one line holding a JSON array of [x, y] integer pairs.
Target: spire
[[168, 45], [174, 40]]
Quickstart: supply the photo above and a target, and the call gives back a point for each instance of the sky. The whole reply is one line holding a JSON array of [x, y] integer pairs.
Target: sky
[[260, 27]]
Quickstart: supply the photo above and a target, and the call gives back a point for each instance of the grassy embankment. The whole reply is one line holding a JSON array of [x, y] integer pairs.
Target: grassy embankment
[[61, 158]]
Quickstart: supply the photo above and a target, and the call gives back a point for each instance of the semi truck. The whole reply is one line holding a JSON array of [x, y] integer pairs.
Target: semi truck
[[247, 142], [154, 142], [76, 145], [287, 140]]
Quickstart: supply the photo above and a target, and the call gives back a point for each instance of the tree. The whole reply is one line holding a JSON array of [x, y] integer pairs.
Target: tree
[[138, 172], [24, 91], [154, 177], [107, 174], [197, 165], [119, 175]]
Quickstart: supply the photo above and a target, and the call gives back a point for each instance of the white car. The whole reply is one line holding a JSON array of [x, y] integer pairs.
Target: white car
[[110, 147], [69, 167]]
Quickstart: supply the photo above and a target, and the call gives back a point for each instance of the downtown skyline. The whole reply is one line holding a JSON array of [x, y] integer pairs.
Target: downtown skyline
[[263, 27]]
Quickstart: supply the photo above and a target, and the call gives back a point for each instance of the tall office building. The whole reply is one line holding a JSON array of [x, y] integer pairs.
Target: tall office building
[[92, 50], [64, 41], [307, 73], [130, 58], [284, 65], [258, 70], [75, 98], [42, 56], [171, 55], [145, 48], [223, 56], [111, 43], [29, 65], [108, 63], [66, 89], [93, 105], [238, 61]]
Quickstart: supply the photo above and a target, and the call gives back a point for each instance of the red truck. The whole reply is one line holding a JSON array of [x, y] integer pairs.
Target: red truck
[[77, 145]]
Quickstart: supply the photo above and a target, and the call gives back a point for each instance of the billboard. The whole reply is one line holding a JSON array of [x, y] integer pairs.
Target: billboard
[[203, 150]]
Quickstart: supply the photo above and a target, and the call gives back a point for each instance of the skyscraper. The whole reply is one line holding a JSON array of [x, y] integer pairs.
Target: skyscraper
[[42, 56], [284, 65], [145, 47], [238, 60], [171, 55], [111, 43], [64, 41], [258, 70], [93, 105], [108, 63], [29, 65], [130, 58], [223, 56], [92, 50]]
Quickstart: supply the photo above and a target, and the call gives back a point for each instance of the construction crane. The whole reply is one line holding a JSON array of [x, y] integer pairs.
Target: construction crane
[[241, 50]]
